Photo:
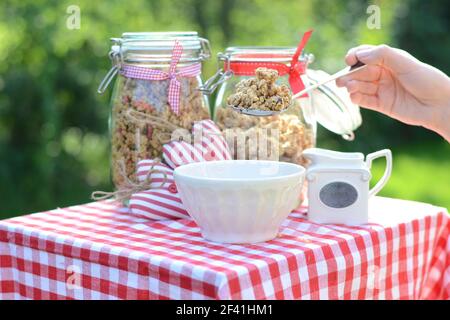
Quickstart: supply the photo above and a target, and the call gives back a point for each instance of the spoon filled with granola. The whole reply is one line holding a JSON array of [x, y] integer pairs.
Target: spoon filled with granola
[[260, 96]]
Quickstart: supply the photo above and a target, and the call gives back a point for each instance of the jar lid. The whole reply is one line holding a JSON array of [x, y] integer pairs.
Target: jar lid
[[332, 105], [156, 47], [262, 54]]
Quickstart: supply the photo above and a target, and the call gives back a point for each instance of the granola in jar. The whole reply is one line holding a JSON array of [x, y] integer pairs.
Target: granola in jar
[[137, 138], [280, 137], [155, 96]]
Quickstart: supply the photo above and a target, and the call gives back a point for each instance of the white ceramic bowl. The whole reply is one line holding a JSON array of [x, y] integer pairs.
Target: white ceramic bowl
[[239, 201]]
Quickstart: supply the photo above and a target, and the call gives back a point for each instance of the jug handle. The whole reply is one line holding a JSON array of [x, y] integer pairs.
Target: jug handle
[[387, 172]]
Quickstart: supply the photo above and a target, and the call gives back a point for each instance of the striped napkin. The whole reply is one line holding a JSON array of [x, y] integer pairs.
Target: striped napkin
[[161, 201]]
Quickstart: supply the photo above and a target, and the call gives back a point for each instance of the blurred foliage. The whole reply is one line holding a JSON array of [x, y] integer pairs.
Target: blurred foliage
[[419, 172], [54, 127]]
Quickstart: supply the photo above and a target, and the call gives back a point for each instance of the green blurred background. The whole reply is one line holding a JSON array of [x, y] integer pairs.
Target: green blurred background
[[54, 146]]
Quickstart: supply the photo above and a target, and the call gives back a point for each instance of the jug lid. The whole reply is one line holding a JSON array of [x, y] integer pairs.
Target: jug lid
[[329, 161], [332, 106], [330, 158]]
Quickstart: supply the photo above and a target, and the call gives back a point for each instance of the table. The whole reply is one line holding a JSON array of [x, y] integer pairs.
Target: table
[[98, 251]]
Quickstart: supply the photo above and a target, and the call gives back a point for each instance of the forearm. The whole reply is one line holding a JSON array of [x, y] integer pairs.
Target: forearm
[[440, 121], [440, 111]]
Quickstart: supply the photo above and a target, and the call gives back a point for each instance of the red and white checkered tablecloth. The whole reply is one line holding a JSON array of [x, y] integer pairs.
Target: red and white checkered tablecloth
[[98, 251]]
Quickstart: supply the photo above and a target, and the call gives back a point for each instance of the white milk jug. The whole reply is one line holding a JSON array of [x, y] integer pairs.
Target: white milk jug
[[338, 185]]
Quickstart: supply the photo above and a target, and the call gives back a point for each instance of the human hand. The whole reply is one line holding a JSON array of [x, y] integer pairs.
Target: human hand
[[400, 86]]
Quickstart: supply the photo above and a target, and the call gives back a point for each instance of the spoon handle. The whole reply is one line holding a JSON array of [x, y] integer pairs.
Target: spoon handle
[[357, 65], [346, 71]]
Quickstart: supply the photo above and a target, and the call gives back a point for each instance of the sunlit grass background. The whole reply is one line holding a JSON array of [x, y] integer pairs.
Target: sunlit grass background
[[420, 172]]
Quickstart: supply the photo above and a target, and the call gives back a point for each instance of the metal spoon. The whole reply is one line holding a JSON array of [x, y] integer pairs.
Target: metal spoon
[[264, 113]]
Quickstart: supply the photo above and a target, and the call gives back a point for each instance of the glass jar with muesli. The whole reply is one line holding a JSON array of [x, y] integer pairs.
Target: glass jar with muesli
[[258, 78], [280, 137], [155, 94]]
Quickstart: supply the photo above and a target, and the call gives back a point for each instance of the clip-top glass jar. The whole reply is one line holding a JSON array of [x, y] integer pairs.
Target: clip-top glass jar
[[155, 94], [279, 137]]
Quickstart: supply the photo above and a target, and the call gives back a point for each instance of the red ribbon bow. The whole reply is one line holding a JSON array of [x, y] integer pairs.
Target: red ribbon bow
[[174, 90], [295, 69]]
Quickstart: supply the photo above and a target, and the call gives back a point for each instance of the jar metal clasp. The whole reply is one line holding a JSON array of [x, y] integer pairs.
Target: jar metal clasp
[[219, 77], [115, 57], [206, 49]]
